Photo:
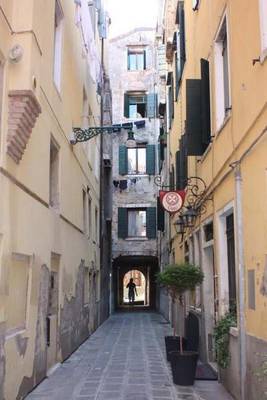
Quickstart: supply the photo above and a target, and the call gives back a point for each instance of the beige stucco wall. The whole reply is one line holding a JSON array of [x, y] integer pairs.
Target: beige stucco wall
[[246, 122], [28, 225]]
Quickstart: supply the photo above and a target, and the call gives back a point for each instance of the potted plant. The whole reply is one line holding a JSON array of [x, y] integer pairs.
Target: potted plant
[[177, 279]]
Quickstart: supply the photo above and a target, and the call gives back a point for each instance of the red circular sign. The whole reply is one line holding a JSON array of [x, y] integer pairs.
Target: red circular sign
[[172, 202]]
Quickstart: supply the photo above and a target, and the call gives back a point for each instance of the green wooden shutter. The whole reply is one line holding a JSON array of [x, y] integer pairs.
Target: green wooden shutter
[[126, 105], [145, 56], [123, 162], [182, 33], [159, 157], [160, 216], [151, 222], [151, 106], [194, 117], [150, 159], [205, 102], [122, 223]]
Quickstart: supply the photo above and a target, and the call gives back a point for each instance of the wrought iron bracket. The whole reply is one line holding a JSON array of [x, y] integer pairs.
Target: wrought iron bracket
[[84, 134]]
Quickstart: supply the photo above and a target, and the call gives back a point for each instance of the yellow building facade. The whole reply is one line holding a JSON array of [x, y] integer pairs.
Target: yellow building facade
[[217, 124], [49, 189]]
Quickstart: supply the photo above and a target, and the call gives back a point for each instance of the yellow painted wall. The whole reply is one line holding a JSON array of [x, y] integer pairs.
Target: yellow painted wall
[[247, 120], [26, 225]]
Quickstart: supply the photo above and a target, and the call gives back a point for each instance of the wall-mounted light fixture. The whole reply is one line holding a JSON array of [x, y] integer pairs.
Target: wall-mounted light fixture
[[130, 140]]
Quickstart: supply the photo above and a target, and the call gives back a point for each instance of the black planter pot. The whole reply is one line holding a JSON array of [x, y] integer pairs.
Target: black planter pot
[[184, 367], [172, 343]]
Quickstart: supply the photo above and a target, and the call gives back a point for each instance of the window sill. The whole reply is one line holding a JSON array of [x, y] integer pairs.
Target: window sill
[[141, 239], [224, 123], [137, 176]]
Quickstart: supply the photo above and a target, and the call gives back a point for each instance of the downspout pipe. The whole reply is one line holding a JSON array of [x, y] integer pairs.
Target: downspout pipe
[[241, 278]]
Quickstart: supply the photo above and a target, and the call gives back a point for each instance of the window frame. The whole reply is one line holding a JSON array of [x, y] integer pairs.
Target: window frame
[[135, 51], [54, 174], [58, 45], [133, 95], [222, 111], [128, 222], [137, 172]]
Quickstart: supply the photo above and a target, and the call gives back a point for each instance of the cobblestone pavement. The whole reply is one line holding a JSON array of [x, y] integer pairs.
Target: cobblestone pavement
[[123, 360]]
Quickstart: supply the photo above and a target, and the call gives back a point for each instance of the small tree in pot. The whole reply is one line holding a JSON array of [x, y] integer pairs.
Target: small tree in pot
[[177, 279]]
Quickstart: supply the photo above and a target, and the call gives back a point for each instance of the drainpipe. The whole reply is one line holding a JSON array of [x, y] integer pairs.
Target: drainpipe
[[101, 202], [241, 276]]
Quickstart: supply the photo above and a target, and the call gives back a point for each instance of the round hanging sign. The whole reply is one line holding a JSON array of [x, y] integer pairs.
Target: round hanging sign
[[172, 201]]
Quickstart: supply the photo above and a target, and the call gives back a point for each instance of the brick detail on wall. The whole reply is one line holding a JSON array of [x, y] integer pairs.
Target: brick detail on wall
[[23, 110]]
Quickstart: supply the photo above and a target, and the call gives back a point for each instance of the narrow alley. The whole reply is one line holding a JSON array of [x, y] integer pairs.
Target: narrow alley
[[123, 360]]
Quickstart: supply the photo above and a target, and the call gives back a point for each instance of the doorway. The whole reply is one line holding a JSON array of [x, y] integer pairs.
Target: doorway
[[141, 294], [52, 316], [142, 269]]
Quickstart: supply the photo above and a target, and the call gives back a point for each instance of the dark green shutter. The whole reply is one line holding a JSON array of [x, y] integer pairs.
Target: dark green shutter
[[159, 157], [123, 162], [151, 222], [205, 101], [128, 60], [193, 117], [178, 170], [182, 33], [145, 53], [177, 78], [150, 159], [122, 223], [152, 100], [160, 216], [126, 105]]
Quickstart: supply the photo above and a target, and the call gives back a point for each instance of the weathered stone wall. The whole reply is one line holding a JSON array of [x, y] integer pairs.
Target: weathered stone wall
[[141, 190]]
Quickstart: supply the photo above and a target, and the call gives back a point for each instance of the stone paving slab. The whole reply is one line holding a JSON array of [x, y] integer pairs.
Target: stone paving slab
[[123, 360]]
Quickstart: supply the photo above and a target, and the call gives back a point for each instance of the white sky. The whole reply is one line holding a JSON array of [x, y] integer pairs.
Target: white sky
[[129, 14]]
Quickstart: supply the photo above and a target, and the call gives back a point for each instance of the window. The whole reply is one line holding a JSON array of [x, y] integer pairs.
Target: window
[[54, 175], [208, 232], [136, 59], [230, 237], [96, 150], [58, 43], [96, 225], [226, 247], [140, 160], [89, 217], [222, 83], [84, 212], [263, 25], [136, 223], [86, 286], [135, 105], [137, 160]]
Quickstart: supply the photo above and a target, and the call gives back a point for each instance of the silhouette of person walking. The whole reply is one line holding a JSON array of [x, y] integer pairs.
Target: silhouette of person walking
[[132, 291]]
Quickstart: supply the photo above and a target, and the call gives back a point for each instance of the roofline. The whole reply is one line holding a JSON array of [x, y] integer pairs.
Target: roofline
[[123, 35]]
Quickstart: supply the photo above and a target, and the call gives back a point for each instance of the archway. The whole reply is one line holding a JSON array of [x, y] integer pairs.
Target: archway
[[141, 293], [148, 267]]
